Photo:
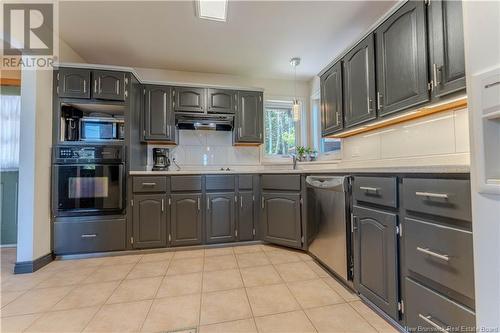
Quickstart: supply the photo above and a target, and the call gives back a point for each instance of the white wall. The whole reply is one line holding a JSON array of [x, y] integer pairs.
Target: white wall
[[482, 51]]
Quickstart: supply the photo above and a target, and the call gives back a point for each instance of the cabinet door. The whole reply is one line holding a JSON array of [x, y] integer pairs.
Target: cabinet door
[[185, 219], [220, 217], [331, 100], [74, 83], [281, 218], [109, 85], [149, 221], [246, 216], [375, 258], [402, 79], [446, 42], [222, 101], [248, 123], [159, 121], [188, 99], [359, 83]]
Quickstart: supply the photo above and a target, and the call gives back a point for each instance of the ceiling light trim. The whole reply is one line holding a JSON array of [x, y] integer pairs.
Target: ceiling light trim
[[205, 9]]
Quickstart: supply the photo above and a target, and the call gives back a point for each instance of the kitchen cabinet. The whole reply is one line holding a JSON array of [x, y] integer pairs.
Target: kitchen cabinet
[[281, 218], [246, 228], [331, 100], [375, 258], [109, 85], [249, 117], [185, 219], [402, 79], [149, 220], [220, 217], [73, 83], [359, 83], [446, 44], [189, 99], [159, 118], [221, 101]]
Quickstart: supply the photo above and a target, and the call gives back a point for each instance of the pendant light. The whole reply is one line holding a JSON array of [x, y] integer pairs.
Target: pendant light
[[296, 106]]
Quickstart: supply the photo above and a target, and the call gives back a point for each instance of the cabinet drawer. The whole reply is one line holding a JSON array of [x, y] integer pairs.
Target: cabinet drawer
[[149, 184], [222, 182], [442, 254], [89, 236], [441, 197], [281, 182], [245, 182], [425, 308], [377, 190], [185, 183]]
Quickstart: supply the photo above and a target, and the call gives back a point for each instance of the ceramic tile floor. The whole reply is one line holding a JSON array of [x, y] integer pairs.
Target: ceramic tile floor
[[254, 288]]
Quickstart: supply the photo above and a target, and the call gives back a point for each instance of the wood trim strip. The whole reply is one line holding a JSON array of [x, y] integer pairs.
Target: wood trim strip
[[415, 114], [10, 82]]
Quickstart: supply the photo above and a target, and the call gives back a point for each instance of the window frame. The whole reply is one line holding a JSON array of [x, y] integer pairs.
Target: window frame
[[281, 101]]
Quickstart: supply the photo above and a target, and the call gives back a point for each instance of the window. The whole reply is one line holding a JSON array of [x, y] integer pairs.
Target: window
[[324, 146], [10, 112], [279, 128]]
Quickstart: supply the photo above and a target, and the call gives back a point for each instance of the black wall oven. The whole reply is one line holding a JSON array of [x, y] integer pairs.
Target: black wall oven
[[87, 180]]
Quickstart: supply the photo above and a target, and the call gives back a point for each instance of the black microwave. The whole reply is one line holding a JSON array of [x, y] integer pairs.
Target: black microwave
[[101, 129]]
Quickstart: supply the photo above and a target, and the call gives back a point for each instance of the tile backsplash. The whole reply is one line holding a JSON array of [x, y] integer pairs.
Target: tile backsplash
[[209, 149]]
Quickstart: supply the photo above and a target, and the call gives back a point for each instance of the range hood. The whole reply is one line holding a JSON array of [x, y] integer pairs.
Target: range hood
[[214, 122]]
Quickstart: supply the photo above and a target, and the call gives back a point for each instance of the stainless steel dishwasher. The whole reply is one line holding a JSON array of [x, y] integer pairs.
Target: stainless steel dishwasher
[[328, 221]]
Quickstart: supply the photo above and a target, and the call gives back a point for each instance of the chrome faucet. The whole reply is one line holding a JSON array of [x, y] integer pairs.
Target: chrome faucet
[[294, 161]]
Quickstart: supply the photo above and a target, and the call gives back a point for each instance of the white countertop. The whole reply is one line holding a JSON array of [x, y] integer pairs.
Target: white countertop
[[304, 170]]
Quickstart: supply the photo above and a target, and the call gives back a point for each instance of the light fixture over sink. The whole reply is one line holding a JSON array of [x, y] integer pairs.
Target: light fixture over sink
[[215, 10], [294, 62]]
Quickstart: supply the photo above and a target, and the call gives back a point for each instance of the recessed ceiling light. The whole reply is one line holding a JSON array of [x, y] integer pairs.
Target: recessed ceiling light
[[215, 10]]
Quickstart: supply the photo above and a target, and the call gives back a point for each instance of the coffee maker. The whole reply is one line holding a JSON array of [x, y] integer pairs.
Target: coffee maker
[[161, 159], [72, 122]]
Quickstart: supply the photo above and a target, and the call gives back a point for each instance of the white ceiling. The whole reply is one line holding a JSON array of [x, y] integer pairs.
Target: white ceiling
[[258, 39]]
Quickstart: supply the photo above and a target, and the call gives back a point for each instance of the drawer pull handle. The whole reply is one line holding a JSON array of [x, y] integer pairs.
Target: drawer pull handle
[[432, 195], [369, 189], [444, 257], [89, 235], [428, 320], [148, 184]]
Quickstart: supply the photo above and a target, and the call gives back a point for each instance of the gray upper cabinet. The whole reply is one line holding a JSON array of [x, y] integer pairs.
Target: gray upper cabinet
[[246, 216], [248, 122], [359, 83], [221, 101], [446, 42], [73, 83], [220, 218], [109, 85], [159, 119], [281, 219], [402, 79], [149, 221], [331, 100], [185, 219], [375, 258], [188, 99]]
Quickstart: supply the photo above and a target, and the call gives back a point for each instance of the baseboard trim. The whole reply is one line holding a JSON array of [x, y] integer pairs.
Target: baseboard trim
[[24, 267]]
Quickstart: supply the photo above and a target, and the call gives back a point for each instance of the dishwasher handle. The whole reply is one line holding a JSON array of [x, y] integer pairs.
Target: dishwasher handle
[[330, 183]]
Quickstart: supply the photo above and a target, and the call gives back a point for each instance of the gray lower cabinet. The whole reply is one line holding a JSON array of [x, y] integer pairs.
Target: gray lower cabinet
[[221, 101], [73, 83], [220, 217], [185, 219], [359, 83], [402, 79], [109, 85], [159, 118], [189, 99], [246, 228], [446, 43], [331, 100], [375, 258], [149, 220], [249, 117], [281, 218]]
